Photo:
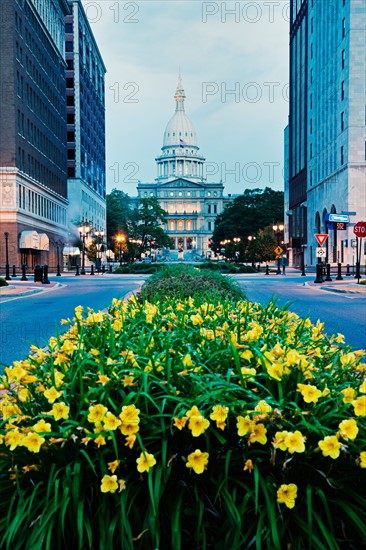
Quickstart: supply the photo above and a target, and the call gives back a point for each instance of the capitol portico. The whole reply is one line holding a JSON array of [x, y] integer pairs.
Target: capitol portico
[[192, 204]]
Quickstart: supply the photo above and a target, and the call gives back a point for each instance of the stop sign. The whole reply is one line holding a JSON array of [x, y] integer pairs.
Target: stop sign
[[360, 229]]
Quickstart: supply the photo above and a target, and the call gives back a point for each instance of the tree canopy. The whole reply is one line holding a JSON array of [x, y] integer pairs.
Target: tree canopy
[[145, 224], [118, 214], [248, 214]]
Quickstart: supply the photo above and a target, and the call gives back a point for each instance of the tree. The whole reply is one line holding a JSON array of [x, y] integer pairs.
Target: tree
[[118, 215], [145, 225], [248, 214]]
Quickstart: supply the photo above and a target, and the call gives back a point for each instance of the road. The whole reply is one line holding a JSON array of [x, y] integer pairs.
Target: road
[[341, 312], [33, 319]]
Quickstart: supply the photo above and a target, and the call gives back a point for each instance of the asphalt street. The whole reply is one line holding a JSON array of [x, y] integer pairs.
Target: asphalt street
[[33, 319]]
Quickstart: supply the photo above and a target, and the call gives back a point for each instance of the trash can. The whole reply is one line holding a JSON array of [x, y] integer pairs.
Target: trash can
[[38, 273]]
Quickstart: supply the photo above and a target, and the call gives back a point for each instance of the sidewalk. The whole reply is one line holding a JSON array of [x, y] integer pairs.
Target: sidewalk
[[348, 285], [24, 288]]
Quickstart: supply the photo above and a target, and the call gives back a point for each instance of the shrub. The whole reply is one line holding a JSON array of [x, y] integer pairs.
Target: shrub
[[247, 269], [185, 424], [3, 282], [183, 281]]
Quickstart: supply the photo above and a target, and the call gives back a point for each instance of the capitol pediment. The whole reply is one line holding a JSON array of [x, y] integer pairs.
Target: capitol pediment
[[181, 183]]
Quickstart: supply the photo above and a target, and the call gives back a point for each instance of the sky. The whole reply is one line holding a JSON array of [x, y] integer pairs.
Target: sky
[[233, 57]]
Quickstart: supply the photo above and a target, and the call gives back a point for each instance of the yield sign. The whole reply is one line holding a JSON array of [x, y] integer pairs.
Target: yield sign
[[321, 238]]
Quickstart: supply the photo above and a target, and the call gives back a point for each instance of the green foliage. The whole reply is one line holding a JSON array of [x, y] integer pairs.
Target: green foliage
[[118, 214], [3, 282], [247, 215], [184, 281], [138, 268], [145, 224]]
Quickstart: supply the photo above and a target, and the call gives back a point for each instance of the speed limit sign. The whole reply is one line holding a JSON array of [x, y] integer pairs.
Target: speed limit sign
[[321, 252]]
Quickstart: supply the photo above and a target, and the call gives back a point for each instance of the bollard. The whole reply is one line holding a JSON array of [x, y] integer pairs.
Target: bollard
[[283, 269], [14, 272], [45, 279], [259, 268], [348, 273], [328, 277], [303, 274], [77, 271], [24, 277], [339, 276], [267, 269], [91, 269], [319, 271], [38, 273], [358, 270]]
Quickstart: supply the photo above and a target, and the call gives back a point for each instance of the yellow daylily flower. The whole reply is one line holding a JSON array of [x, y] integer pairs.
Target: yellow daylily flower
[[198, 461]]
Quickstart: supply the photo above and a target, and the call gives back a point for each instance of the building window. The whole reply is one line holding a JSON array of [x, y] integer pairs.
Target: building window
[[70, 101], [180, 194], [188, 193], [343, 27], [342, 90], [312, 25], [209, 194], [70, 118], [209, 226], [311, 150], [71, 172], [68, 27], [215, 208], [311, 51], [69, 82], [71, 154], [171, 194], [71, 137], [342, 121], [311, 101], [311, 126], [311, 177], [69, 46], [343, 58], [311, 76], [209, 208], [342, 155]]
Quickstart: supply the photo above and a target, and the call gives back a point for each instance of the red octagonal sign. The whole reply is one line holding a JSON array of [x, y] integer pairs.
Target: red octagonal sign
[[360, 229]]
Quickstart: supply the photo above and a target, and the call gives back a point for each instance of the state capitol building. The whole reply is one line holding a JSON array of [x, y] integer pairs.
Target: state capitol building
[[192, 204]]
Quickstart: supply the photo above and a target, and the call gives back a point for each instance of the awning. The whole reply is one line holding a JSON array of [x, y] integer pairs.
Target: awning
[[71, 251], [29, 239], [44, 242]]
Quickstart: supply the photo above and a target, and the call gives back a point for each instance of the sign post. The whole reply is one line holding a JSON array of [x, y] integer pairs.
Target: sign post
[[360, 231]]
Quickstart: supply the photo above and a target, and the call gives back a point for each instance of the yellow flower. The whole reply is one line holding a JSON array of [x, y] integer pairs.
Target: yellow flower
[[95, 317], [180, 422], [359, 406], [130, 420], [349, 394], [278, 350], [14, 374], [275, 371], [100, 440], [244, 425], [279, 441], [58, 378], [52, 394], [348, 429], [42, 426], [13, 438], [220, 415], [96, 413], [187, 360], [246, 355], [117, 325], [109, 484], [196, 319], [128, 381], [130, 441], [263, 407], [347, 359], [362, 388], [287, 494], [198, 424], [95, 352], [102, 379], [258, 434], [295, 442], [145, 462], [310, 393], [59, 410], [330, 446], [197, 461], [339, 338], [121, 485], [248, 466], [363, 459], [33, 442], [67, 347], [111, 422], [248, 371], [292, 357]]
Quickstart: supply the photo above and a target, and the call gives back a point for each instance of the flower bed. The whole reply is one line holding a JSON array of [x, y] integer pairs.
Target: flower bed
[[185, 425]]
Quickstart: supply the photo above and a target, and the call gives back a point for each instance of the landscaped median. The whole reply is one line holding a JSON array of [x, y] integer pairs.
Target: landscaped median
[[185, 422]]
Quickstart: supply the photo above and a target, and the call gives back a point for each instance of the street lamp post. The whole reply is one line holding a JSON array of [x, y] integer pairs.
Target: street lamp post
[[250, 239], [277, 231], [7, 267], [58, 274], [120, 240], [83, 232], [236, 243], [99, 235]]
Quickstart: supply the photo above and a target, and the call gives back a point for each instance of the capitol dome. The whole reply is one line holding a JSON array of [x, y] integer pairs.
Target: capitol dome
[[180, 131]]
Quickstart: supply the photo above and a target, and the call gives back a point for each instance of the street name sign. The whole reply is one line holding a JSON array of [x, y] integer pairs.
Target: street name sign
[[360, 229], [337, 218], [321, 238], [321, 252]]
